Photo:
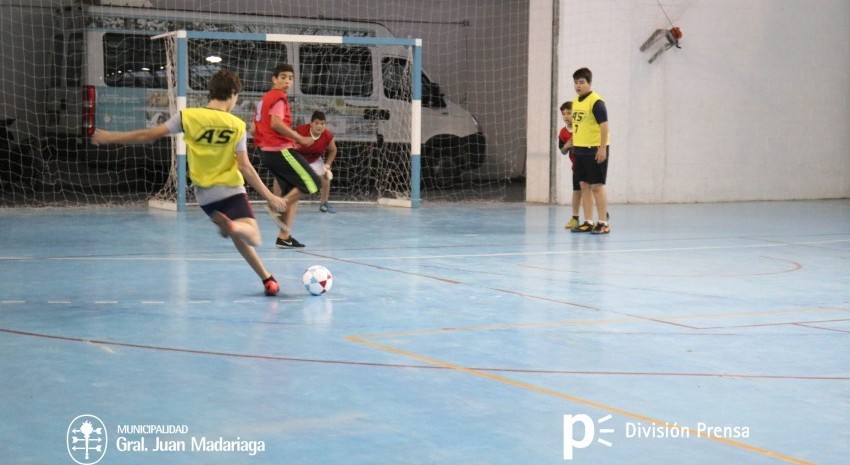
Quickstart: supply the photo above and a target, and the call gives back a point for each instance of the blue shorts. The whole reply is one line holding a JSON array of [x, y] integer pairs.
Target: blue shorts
[[233, 207]]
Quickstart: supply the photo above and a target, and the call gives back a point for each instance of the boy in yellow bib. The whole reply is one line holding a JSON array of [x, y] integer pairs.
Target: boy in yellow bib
[[591, 147], [217, 154]]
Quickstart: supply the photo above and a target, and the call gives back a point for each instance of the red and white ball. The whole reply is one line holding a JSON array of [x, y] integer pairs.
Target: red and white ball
[[318, 280]]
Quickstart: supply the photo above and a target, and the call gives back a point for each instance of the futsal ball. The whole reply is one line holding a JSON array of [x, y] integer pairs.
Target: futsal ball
[[318, 280]]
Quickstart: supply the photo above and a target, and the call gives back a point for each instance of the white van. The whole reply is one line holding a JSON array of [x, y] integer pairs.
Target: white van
[[109, 74]]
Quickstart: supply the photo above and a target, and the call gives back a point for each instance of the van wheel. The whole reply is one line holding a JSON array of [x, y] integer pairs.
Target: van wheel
[[441, 163]]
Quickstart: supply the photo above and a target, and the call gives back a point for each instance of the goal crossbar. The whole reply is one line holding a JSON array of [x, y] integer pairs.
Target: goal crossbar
[[182, 86]]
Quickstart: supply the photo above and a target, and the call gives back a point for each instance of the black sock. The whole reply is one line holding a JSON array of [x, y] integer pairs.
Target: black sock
[[270, 278], [575, 217]]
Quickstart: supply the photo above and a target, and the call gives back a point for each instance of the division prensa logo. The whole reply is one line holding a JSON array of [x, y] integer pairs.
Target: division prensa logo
[[590, 429], [86, 439]]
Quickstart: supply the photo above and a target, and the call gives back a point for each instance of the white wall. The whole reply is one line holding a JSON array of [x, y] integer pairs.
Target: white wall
[[755, 106], [539, 126]]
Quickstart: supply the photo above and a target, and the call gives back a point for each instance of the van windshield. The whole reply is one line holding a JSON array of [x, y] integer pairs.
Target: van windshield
[[343, 71], [254, 61], [133, 60]]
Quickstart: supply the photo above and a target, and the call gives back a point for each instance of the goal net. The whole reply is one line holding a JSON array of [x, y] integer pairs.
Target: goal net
[[72, 66], [377, 134]]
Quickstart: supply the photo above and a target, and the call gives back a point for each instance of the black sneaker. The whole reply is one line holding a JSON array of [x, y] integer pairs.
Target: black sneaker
[[291, 243], [601, 228]]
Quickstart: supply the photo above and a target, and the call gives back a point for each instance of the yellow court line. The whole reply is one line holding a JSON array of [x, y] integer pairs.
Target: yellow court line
[[578, 400], [601, 321]]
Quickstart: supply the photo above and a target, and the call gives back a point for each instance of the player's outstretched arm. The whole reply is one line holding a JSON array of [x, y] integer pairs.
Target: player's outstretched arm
[[331, 153], [139, 136], [278, 204], [281, 128]]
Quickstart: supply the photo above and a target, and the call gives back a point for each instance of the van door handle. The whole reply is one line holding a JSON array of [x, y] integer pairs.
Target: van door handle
[[376, 113]]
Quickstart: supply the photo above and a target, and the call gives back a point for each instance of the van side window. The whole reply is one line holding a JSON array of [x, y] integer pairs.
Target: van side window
[[58, 72], [335, 70], [254, 61], [396, 75], [133, 60], [432, 96], [74, 60], [67, 59]]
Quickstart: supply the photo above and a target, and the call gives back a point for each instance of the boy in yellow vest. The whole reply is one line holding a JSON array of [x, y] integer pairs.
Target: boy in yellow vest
[[591, 146], [217, 154]]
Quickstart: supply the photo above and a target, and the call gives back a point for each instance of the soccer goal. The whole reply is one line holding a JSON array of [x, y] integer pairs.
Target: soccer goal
[[369, 88]]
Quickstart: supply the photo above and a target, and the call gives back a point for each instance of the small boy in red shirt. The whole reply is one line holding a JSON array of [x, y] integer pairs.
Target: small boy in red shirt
[[320, 155], [565, 144]]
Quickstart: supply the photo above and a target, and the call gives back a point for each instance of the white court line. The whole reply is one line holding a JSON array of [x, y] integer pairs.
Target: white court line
[[165, 259], [467, 255], [588, 252], [145, 302]]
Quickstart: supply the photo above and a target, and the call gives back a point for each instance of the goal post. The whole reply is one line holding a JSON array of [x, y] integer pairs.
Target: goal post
[[175, 195]]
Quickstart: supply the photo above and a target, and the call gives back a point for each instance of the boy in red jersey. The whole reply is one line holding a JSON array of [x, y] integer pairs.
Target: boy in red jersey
[[565, 144], [274, 136], [323, 143]]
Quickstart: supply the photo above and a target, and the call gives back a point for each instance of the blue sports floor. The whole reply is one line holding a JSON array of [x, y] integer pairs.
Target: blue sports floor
[[701, 334]]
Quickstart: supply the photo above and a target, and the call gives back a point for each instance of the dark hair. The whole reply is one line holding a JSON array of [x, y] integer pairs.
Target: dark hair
[[583, 73], [224, 84], [318, 115], [283, 68], [568, 105]]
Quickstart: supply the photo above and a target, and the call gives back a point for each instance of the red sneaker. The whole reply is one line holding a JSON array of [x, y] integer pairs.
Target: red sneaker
[[271, 285]]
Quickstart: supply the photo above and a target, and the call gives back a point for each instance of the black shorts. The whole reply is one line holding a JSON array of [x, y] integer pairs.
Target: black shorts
[[291, 170], [586, 167], [576, 180], [234, 207]]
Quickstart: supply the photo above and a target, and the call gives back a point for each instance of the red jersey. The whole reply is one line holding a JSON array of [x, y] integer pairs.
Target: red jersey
[[317, 149], [563, 138], [264, 135]]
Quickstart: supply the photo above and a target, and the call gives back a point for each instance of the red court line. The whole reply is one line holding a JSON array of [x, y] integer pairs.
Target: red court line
[[821, 327], [407, 366], [537, 297], [384, 268], [799, 323], [681, 325]]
